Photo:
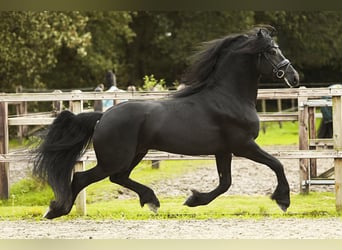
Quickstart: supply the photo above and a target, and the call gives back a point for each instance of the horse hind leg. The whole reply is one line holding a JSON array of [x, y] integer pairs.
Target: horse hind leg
[[80, 180], [146, 194], [223, 163]]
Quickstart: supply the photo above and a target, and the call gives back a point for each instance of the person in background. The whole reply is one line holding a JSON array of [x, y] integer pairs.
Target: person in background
[[325, 129], [98, 103], [110, 83]]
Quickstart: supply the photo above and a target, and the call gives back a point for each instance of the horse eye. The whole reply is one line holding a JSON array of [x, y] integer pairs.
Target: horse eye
[[272, 52]]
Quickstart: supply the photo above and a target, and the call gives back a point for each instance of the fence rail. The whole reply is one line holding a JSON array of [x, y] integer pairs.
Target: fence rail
[[159, 155], [307, 99], [267, 94]]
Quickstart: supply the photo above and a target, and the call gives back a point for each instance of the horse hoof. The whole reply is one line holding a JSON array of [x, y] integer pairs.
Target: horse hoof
[[152, 207], [47, 214], [193, 200], [282, 207], [52, 213]]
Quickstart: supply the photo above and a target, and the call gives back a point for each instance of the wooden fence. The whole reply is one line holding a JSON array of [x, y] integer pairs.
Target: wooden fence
[[307, 98]]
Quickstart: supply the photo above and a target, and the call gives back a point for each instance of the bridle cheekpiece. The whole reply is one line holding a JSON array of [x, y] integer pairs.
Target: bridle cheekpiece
[[278, 70]]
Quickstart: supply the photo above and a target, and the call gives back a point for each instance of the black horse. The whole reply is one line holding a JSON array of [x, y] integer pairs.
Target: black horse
[[214, 115]]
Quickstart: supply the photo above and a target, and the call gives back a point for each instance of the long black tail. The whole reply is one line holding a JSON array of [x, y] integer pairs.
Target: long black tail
[[66, 140]]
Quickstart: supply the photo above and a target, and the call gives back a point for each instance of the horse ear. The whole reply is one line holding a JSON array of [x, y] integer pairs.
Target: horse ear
[[273, 31], [260, 33]]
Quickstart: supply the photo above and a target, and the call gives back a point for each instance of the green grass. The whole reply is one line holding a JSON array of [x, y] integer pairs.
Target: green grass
[[274, 135], [314, 205]]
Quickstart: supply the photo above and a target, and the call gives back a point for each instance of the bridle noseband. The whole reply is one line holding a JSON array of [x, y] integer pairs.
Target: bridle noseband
[[277, 68]]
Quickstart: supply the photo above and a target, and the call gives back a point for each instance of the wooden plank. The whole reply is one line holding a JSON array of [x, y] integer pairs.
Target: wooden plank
[[80, 202], [17, 121], [297, 154], [31, 120], [337, 136], [139, 95], [328, 173], [318, 103], [312, 134], [321, 142], [276, 117], [71, 96], [319, 182], [159, 155], [303, 116], [76, 106], [4, 166]]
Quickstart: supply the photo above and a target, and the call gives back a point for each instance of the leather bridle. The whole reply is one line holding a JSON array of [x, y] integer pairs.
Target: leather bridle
[[278, 68]]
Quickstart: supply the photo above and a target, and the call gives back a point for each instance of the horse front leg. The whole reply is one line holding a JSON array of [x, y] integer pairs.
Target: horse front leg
[[253, 152], [223, 163]]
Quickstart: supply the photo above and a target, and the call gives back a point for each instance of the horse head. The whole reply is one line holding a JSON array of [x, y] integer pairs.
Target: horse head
[[271, 60]]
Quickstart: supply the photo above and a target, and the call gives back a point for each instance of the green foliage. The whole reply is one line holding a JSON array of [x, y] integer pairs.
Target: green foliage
[[151, 83], [110, 33], [72, 49], [164, 40], [29, 42], [310, 40]]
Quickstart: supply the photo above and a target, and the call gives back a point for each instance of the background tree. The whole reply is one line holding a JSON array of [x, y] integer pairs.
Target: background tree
[[68, 50], [110, 35], [29, 42], [312, 39], [165, 40]]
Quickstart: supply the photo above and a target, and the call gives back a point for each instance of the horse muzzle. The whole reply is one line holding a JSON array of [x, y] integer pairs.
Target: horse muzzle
[[290, 76]]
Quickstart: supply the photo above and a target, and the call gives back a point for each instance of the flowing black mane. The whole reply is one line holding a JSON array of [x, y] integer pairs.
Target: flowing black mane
[[205, 61]]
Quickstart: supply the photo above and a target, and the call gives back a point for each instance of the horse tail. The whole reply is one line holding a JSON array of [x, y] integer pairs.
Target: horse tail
[[66, 140]]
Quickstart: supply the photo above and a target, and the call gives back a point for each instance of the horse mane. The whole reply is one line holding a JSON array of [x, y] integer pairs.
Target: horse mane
[[198, 76]]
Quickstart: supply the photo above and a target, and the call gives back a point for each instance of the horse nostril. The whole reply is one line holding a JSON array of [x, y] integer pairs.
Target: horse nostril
[[296, 79]]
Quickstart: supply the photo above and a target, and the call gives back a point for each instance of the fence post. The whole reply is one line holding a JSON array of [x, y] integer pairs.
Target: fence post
[[263, 111], [21, 109], [303, 142], [57, 106], [81, 209], [312, 135], [4, 166], [337, 134], [155, 164], [280, 109]]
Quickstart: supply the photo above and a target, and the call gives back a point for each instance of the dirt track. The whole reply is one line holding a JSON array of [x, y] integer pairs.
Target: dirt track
[[248, 178], [173, 229]]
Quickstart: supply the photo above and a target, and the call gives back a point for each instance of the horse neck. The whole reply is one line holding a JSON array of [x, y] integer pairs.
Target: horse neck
[[241, 80]]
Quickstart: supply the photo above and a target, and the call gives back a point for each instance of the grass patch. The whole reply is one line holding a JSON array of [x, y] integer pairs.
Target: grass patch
[[314, 205], [287, 134], [28, 192]]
